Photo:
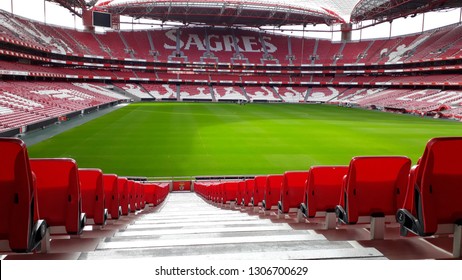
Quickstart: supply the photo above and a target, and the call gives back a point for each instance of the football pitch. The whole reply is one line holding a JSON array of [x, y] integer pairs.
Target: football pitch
[[188, 139]]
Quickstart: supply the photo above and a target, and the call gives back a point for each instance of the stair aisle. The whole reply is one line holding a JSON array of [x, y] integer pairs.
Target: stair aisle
[[186, 226]]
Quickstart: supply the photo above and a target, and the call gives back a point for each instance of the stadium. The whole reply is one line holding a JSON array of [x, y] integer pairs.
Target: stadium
[[226, 130]]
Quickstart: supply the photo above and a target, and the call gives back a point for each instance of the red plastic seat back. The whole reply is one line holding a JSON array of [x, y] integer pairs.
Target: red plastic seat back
[[439, 182], [293, 189], [58, 186], [324, 188], [111, 194], [273, 190], [240, 192], [123, 195], [92, 190], [375, 186], [18, 208], [248, 193], [229, 191], [132, 195], [259, 190]]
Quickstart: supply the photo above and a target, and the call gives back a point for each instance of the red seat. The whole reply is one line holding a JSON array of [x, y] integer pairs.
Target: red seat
[[60, 200], [323, 189], [248, 192], [230, 191], [272, 191], [131, 195], [292, 190], [435, 198], [92, 190], [111, 194], [123, 195], [19, 223], [141, 198], [240, 193], [259, 191], [163, 190], [374, 187]]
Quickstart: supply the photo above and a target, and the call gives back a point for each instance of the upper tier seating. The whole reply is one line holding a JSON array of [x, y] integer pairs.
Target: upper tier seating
[[111, 194], [435, 198], [93, 199], [272, 192], [60, 200], [19, 214], [292, 190], [374, 187]]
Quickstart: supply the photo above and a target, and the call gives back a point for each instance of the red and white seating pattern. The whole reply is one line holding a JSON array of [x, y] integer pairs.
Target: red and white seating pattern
[[195, 92], [292, 94], [262, 93], [161, 91], [228, 93], [323, 94], [136, 90]]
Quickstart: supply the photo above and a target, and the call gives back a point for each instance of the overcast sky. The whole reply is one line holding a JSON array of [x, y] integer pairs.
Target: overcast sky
[[54, 14]]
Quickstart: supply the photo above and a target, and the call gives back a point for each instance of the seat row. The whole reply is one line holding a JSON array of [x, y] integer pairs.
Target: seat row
[[43, 197], [425, 200]]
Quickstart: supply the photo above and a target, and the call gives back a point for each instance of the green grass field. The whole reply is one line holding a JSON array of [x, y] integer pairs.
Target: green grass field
[[183, 139]]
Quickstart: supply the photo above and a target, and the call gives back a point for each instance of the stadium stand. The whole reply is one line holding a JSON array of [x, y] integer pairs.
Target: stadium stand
[[20, 224], [188, 92], [291, 94], [228, 93], [432, 204]]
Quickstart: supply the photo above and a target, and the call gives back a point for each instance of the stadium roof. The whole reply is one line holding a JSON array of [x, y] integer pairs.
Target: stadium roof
[[228, 12], [383, 10], [262, 12]]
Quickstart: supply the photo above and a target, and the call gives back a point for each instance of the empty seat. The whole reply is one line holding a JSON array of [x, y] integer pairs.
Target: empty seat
[[323, 189], [141, 196], [374, 187], [229, 192], [124, 195], [433, 203], [111, 195], [92, 190], [131, 196], [240, 193], [322, 192], [259, 190], [248, 192], [19, 223], [272, 192], [292, 190], [58, 187]]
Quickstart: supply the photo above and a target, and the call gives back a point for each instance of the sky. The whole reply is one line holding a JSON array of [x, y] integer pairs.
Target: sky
[[53, 14]]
